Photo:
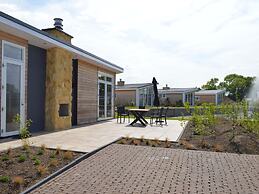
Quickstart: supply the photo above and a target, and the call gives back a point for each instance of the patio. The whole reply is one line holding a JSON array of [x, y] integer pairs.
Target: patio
[[91, 137], [140, 169]]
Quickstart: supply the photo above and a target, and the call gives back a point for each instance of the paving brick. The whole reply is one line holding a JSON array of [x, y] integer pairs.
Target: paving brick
[[139, 169]]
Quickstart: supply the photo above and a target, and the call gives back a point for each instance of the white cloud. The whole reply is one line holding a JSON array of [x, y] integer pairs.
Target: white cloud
[[182, 43]]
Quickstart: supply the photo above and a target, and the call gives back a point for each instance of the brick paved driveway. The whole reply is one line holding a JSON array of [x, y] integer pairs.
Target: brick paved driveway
[[139, 169]]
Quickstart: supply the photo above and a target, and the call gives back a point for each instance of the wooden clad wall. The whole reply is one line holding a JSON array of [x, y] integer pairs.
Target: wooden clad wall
[[87, 93], [87, 106], [16, 40]]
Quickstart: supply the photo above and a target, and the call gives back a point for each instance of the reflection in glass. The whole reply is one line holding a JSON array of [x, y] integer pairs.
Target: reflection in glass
[[13, 52], [101, 100], [109, 100], [13, 91]]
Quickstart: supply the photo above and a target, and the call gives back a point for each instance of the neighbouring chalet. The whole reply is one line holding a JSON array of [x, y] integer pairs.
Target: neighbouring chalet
[[44, 77], [137, 94], [210, 96], [176, 96]]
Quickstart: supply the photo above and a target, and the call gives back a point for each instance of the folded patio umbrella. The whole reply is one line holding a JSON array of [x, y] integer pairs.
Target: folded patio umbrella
[[156, 99]]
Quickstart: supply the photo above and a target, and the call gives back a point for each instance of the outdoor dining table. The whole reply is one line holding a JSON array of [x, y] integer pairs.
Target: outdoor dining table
[[139, 116]]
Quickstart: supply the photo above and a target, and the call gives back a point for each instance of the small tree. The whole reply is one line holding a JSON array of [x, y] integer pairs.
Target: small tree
[[24, 129]]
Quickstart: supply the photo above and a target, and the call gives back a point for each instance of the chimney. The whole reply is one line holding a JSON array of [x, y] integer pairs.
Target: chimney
[[58, 23], [120, 83], [58, 32], [166, 87]]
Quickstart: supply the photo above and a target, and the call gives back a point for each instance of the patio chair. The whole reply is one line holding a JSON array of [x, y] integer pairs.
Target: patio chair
[[164, 115], [157, 115], [122, 113]]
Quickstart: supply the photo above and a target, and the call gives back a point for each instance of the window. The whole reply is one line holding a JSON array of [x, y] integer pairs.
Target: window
[[13, 52]]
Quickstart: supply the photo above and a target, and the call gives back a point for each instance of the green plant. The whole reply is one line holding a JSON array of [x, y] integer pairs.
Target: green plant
[[5, 157], [40, 152], [52, 155], [4, 179], [33, 158], [24, 128], [37, 162], [22, 158]]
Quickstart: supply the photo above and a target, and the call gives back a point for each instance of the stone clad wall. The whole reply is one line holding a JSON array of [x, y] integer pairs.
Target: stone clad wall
[[58, 88]]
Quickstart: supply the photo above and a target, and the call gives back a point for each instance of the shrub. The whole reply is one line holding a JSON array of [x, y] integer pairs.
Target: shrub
[[9, 152], [24, 129], [187, 145], [5, 157], [4, 179], [34, 158], [41, 170], [58, 150], [43, 147], [18, 180], [68, 155], [40, 152], [52, 155], [37, 162], [136, 142], [204, 144], [22, 158], [122, 141], [218, 148], [53, 163], [26, 145]]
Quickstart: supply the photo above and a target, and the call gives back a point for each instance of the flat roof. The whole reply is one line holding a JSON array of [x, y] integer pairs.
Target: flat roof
[[45, 40], [209, 92], [133, 86], [177, 90]]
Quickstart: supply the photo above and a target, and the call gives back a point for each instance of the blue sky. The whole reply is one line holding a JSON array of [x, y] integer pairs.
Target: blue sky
[[182, 43]]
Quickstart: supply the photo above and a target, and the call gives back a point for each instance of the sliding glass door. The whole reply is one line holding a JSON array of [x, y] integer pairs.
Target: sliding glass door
[[105, 96], [12, 90]]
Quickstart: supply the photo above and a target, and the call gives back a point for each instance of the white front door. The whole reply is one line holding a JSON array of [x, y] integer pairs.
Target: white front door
[[12, 87]]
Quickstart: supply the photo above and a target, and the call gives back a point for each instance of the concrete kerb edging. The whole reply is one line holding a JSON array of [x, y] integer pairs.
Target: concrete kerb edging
[[68, 166], [180, 136]]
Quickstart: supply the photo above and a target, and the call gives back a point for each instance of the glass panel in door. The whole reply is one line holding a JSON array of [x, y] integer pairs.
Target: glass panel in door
[[13, 95], [109, 100], [101, 100]]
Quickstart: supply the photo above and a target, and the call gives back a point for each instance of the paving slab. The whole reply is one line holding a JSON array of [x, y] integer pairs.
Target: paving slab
[[141, 169], [91, 137]]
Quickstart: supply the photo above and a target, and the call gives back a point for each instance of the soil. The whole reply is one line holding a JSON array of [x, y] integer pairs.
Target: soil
[[27, 170], [244, 143]]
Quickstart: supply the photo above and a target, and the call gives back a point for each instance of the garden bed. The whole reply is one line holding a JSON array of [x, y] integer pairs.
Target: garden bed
[[22, 167], [244, 143]]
